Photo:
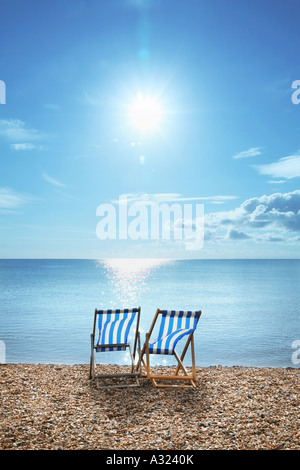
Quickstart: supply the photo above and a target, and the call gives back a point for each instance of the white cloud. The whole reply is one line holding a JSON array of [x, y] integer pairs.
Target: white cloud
[[25, 146], [10, 199], [16, 130], [252, 152], [286, 167], [276, 181], [52, 181], [143, 198], [234, 234], [279, 214]]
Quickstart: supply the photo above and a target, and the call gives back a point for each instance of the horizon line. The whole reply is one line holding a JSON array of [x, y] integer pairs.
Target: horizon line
[[145, 258]]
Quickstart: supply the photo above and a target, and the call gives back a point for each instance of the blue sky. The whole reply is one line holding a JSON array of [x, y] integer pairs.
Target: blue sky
[[222, 72]]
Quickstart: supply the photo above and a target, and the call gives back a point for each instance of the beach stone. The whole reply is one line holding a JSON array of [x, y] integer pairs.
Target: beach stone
[[57, 407]]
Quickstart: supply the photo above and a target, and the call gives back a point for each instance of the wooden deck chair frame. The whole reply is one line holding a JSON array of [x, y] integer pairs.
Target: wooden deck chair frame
[[134, 374], [186, 377]]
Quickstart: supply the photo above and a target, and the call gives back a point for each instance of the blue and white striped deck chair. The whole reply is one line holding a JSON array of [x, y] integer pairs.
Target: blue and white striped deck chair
[[174, 326], [110, 333]]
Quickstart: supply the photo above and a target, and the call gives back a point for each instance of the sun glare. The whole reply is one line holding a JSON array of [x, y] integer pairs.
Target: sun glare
[[145, 114]]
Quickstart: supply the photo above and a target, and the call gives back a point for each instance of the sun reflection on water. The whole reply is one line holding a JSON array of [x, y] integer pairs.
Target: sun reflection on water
[[128, 278]]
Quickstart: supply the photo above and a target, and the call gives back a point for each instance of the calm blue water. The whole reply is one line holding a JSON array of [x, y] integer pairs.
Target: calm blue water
[[250, 307]]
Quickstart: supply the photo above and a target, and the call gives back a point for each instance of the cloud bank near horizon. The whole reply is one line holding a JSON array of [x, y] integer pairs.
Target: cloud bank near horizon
[[274, 218]]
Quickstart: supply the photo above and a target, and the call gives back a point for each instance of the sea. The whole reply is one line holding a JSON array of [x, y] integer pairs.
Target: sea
[[250, 308]]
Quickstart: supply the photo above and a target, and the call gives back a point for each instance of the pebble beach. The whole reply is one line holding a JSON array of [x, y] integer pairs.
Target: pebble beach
[[57, 407]]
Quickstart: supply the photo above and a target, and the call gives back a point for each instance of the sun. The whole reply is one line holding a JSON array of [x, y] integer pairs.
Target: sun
[[145, 113]]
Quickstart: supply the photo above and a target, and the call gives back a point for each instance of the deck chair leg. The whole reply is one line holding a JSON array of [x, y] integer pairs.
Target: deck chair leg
[[141, 358], [137, 349], [139, 368], [145, 365], [180, 364], [141, 363], [132, 366], [147, 356], [92, 360], [132, 360], [184, 352], [143, 351], [192, 378], [137, 343], [190, 340], [193, 360]]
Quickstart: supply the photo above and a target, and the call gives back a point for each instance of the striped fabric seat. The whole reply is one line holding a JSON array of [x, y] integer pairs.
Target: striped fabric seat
[[114, 327], [174, 326]]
